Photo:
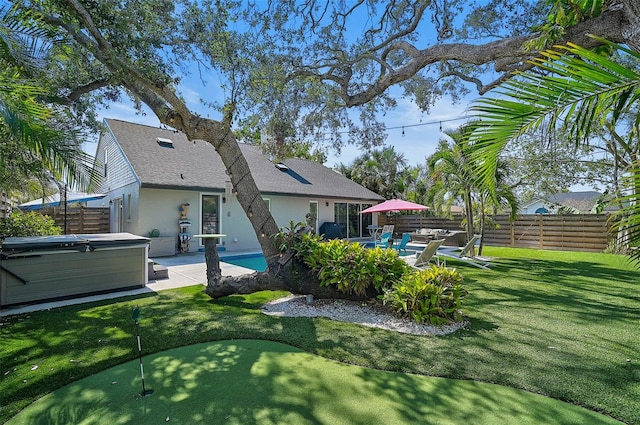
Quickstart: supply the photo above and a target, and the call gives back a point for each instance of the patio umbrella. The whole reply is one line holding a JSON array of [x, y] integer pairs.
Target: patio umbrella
[[54, 200], [395, 205]]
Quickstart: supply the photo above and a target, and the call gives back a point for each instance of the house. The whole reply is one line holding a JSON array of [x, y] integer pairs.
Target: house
[[569, 202], [158, 183]]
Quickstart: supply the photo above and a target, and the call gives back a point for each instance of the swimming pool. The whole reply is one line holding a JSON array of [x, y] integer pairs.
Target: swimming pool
[[250, 261], [257, 262]]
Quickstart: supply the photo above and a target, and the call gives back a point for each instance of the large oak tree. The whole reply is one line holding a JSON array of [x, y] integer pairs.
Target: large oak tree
[[309, 61]]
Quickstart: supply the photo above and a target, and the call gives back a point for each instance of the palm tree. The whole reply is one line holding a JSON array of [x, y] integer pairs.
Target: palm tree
[[450, 166], [383, 171], [455, 174], [580, 90], [34, 137]]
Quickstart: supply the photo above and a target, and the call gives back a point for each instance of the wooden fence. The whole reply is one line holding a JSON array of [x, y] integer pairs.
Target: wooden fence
[[80, 219], [577, 232]]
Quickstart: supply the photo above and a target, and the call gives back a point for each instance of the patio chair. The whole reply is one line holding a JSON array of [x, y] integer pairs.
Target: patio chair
[[429, 251], [465, 254], [388, 228], [402, 245], [385, 241]]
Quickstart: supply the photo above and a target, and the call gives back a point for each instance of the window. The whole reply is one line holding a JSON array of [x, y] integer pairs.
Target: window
[[312, 220], [210, 214], [268, 202], [106, 156]]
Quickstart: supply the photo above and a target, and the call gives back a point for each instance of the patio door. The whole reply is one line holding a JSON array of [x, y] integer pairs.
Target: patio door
[[116, 220], [210, 214], [353, 224]]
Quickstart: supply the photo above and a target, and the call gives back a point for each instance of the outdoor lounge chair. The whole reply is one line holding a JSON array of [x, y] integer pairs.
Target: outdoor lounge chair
[[385, 240], [465, 254], [422, 235], [429, 251], [402, 245]]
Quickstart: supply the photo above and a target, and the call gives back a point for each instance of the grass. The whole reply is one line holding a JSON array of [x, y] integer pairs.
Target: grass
[[560, 324], [208, 384]]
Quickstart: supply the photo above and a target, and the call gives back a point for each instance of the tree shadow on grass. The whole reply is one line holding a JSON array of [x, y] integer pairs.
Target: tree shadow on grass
[[244, 381]]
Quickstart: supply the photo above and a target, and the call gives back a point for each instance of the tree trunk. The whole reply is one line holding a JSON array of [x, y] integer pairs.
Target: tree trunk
[[293, 276], [469, 207]]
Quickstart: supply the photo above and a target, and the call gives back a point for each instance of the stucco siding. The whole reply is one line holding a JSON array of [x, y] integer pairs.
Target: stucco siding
[[158, 209]]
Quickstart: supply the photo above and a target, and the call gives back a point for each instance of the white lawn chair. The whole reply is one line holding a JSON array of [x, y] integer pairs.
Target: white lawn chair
[[465, 254], [427, 254]]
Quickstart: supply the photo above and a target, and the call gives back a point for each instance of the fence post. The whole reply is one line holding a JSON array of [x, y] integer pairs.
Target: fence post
[[512, 231], [541, 231]]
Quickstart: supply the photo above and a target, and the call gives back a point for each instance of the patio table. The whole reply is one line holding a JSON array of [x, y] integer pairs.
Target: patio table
[[374, 231]]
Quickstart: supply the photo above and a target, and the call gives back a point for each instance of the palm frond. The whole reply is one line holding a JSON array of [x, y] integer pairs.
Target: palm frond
[[579, 90]]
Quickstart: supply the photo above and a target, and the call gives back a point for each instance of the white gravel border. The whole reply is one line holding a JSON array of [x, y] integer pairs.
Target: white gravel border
[[354, 312]]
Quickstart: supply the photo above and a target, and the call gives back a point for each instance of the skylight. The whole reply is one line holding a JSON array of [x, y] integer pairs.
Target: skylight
[[280, 166], [164, 142]]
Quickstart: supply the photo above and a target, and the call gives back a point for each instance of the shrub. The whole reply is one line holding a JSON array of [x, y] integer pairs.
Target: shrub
[[350, 266], [432, 295], [287, 237], [28, 224]]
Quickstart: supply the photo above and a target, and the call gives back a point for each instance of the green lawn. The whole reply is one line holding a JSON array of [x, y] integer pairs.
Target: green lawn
[[559, 324]]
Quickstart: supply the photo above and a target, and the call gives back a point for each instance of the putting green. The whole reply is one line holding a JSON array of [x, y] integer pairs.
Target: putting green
[[263, 382]]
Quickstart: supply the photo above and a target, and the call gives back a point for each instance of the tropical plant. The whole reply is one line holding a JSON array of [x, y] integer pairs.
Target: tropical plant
[[433, 295], [37, 139], [351, 267], [580, 90], [453, 170], [451, 166], [287, 237]]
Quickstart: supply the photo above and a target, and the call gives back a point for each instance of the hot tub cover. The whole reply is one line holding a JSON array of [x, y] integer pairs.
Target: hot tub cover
[[17, 245]]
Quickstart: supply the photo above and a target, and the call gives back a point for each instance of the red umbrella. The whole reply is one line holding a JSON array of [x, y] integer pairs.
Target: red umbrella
[[395, 205]]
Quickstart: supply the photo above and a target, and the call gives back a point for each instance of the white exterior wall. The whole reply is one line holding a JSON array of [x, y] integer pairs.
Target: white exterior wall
[[159, 210], [533, 206], [128, 203], [119, 172]]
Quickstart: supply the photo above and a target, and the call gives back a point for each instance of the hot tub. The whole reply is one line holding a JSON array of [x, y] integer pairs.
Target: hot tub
[[39, 268]]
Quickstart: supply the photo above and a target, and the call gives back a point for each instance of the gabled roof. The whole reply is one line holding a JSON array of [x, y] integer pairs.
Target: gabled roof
[[580, 201], [164, 158]]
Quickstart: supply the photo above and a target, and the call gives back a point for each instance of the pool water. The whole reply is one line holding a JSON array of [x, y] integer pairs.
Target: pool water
[[250, 261], [258, 263]]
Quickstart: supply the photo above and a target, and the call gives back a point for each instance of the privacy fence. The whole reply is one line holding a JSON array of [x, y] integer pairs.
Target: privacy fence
[[579, 232], [80, 219]]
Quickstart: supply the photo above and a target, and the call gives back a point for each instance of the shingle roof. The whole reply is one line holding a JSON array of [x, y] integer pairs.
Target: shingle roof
[[196, 165]]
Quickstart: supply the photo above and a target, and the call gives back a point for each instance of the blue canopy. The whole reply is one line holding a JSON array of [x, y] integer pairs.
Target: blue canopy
[[54, 200]]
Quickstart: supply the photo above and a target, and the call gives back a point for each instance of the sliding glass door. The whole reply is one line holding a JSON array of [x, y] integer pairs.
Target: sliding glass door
[[352, 223]]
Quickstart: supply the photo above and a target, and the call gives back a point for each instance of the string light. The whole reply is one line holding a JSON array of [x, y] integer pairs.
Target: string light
[[420, 124]]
